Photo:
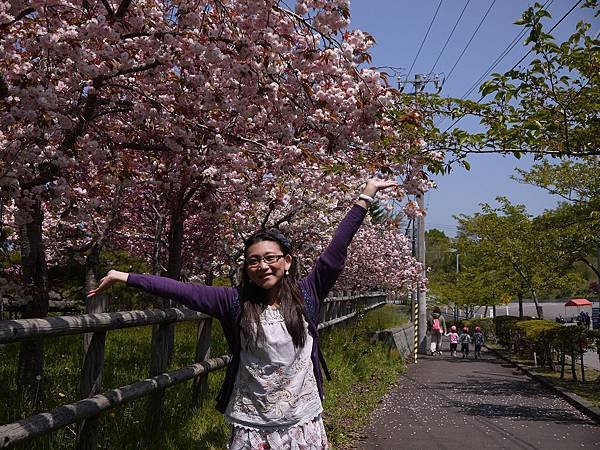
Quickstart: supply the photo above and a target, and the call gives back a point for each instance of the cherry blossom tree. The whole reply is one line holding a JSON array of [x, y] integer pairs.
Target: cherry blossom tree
[[176, 129]]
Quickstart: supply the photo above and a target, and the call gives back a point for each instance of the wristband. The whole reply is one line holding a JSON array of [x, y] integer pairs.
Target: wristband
[[366, 198]]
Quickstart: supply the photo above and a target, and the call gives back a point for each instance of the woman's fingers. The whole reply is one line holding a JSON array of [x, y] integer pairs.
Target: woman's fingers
[[379, 184], [105, 283], [387, 184]]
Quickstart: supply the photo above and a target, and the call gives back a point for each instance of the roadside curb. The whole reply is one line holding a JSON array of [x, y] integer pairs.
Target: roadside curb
[[583, 405]]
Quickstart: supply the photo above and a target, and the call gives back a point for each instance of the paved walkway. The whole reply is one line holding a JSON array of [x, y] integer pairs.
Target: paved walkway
[[451, 403]]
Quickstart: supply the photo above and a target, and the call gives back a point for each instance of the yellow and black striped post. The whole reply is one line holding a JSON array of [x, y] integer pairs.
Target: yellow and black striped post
[[416, 349]]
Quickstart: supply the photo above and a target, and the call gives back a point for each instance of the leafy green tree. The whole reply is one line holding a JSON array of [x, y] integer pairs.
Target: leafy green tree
[[438, 253], [509, 240], [577, 183], [547, 107]]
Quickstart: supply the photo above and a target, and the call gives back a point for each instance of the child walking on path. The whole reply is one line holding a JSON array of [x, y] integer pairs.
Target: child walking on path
[[273, 385], [465, 340], [453, 336], [478, 341]]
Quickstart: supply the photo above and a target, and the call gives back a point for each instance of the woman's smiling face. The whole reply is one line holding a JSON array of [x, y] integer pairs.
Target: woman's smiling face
[[266, 275]]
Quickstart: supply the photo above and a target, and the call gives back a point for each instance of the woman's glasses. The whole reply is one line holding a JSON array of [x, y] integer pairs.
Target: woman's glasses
[[255, 261]]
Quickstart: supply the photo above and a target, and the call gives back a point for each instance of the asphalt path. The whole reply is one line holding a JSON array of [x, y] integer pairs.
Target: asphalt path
[[452, 403]]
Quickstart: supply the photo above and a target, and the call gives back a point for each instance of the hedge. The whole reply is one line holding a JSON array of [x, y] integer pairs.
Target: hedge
[[547, 339]]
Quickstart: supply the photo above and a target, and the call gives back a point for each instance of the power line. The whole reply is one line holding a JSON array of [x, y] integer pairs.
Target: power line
[[550, 31], [524, 56], [450, 35], [424, 39], [470, 40], [500, 57], [487, 71]]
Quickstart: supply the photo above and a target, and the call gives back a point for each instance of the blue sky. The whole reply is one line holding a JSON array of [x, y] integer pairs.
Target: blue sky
[[399, 27]]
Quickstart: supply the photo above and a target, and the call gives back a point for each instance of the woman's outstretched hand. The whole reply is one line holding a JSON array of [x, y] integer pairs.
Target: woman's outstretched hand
[[112, 277], [375, 185]]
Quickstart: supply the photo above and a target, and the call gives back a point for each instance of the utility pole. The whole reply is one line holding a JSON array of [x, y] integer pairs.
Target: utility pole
[[421, 297], [419, 84]]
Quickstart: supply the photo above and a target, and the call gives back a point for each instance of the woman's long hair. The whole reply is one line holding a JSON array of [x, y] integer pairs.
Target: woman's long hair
[[253, 299]]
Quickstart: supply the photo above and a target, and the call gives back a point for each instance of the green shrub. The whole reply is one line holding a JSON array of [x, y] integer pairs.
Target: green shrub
[[505, 330], [533, 338], [573, 341], [487, 327]]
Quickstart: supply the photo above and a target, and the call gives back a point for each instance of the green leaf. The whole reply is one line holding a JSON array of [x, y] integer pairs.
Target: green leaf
[[487, 88]]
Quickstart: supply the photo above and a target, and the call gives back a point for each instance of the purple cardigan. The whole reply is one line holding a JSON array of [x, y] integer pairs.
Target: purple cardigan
[[223, 303]]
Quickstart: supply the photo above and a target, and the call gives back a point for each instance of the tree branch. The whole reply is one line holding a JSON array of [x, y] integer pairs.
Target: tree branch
[[109, 8], [18, 17], [587, 263], [123, 7], [144, 147], [3, 88], [136, 69]]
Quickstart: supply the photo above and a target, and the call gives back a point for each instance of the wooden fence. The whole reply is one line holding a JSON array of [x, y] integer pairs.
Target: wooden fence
[[94, 327], [10, 309]]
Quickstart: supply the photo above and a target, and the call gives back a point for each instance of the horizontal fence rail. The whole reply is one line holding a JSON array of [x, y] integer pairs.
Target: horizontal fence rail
[[93, 327], [367, 302], [22, 329], [64, 415]]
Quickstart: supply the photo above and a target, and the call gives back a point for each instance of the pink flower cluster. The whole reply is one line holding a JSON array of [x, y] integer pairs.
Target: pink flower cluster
[[174, 131]]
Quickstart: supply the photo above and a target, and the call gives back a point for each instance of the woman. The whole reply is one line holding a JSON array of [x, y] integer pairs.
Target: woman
[[437, 326], [273, 385]]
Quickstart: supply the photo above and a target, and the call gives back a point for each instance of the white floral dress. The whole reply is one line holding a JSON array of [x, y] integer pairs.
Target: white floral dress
[[275, 403]]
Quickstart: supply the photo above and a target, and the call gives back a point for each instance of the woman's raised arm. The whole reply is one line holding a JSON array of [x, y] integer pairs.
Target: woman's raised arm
[[331, 262]]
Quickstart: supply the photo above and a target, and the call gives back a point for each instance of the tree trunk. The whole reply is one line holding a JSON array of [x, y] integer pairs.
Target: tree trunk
[[573, 371], [562, 365], [93, 351], [158, 229], [582, 368], [210, 278], [35, 277], [520, 297], [163, 336], [175, 263], [548, 350], [537, 306], [598, 339]]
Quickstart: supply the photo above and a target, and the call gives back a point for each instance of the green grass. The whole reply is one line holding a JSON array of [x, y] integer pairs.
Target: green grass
[[362, 374], [590, 390]]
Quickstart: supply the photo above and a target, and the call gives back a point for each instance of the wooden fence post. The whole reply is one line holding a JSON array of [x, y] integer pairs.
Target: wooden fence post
[[200, 388], [91, 375], [159, 360]]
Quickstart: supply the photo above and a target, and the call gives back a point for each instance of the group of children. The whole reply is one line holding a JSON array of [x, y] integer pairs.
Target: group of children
[[465, 339], [436, 325]]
